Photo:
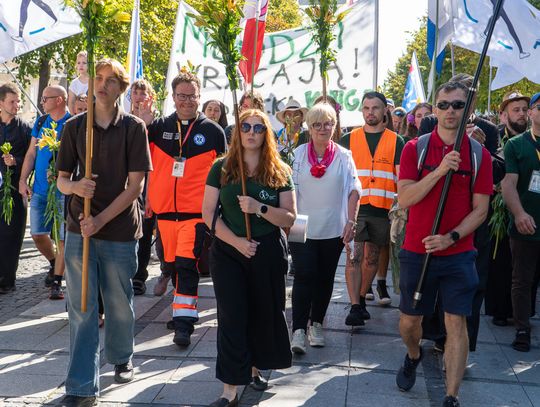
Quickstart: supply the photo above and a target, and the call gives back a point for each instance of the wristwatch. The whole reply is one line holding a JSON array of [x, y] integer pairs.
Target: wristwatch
[[262, 210], [455, 236]]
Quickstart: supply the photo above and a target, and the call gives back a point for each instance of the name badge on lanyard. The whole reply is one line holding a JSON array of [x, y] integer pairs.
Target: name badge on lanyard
[[178, 167], [534, 183]]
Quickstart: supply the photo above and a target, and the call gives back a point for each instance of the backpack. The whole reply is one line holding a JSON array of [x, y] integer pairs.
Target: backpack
[[476, 155]]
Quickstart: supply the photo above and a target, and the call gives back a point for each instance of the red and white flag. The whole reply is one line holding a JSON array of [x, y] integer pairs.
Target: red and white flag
[[255, 12]]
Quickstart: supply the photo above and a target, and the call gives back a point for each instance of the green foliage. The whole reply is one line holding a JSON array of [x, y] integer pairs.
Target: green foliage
[[465, 62], [283, 15], [323, 20], [221, 20]]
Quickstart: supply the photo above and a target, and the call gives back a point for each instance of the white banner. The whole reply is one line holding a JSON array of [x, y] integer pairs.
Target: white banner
[[289, 65], [515, 45], [29, 24]]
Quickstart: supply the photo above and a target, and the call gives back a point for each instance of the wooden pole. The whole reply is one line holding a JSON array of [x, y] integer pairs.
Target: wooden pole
[[241, 161], [88, 175]]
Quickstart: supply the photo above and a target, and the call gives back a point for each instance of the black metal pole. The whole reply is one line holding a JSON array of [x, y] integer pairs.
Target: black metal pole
[[457, 146]]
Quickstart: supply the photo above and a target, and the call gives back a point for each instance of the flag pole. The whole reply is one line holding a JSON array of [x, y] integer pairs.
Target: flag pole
[[376, 47], [489, 85], [452, 60], [457, 146], [433, 72], [255, 42]]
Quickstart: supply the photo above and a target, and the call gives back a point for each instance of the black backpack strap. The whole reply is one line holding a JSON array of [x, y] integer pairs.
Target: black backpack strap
[[422, 147], [476, 160]]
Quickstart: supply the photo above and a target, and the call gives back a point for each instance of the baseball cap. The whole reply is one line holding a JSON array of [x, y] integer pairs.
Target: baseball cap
[[534, 99]]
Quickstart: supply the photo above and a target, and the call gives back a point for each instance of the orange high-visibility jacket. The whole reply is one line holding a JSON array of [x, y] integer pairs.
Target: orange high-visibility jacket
[[377, 174]]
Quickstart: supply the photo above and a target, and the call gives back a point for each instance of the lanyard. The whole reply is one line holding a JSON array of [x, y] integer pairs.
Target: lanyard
[[180, 142], [536, 144]]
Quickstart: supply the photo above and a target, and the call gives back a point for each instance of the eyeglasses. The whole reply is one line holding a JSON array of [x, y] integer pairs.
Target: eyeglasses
[[45, 98], [327, 125], [182, 97], [456, 105], [537, 107], [398, 113], [257, 128]]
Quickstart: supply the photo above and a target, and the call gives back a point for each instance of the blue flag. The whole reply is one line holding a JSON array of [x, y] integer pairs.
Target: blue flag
[[414, 88]]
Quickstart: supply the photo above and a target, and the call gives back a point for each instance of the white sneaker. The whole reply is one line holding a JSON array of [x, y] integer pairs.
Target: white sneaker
[[315, 335], [298, 342]]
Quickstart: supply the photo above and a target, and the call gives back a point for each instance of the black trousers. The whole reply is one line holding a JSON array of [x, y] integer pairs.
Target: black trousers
[[250, 297], [525, 256], [315, 264], [11, 239], [499, 285], [145, 248]]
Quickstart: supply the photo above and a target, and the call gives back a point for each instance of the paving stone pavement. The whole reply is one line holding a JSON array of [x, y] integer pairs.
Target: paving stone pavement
[[356, 368]]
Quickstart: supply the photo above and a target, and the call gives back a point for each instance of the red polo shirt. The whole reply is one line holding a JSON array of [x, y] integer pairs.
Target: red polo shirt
[[459, 202]]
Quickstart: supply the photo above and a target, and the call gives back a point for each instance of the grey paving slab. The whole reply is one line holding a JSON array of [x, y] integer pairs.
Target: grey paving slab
[[24, 334], [534, 395], [332, 392], [473, 393], [336, 351], [526, 365], [38, 365], [204, 349], [364, 381], [371, 399], [30, 386], [142, 303], [138, 391], [146, 369], [489, 363], [190, 393], [378, 352], [157, 340], [195, 370], [9, 358], [47, 308]]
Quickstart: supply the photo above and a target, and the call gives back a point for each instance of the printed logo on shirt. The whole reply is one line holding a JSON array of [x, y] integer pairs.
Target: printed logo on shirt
[[265, 196], [199, 139]]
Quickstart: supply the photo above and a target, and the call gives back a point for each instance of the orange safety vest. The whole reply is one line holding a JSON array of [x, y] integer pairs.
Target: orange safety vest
[[377, 174]]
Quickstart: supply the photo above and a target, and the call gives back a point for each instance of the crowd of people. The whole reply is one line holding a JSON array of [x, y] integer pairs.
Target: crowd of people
[[204, 191]]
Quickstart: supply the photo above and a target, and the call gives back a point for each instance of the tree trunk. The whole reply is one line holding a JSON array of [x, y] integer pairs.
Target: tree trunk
[[44, 77]]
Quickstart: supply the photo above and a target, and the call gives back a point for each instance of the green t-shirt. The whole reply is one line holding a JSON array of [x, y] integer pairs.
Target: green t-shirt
[[373, 141], [230, 208], [521, 158]]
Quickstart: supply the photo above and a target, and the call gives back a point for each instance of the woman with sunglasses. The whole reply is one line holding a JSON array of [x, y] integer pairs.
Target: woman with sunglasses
[[249, 275], [327, 190]]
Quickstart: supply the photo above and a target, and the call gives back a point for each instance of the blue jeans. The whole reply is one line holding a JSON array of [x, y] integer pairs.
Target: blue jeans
[[38, 225], [111, 267]]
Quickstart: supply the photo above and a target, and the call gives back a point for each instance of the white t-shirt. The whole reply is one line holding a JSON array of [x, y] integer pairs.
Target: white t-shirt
[[77, 87]]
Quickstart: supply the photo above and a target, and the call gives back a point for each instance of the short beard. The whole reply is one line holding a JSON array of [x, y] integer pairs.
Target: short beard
[[518, 128]]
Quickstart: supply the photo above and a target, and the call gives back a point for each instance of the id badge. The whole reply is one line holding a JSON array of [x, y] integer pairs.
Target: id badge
[[179, 167], [534, 184]]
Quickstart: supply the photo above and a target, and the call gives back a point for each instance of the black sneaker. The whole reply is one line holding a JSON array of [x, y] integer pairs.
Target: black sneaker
[[406, 376], [355, 316], [363, 310], [77, 401], [384, 297], [56, 292], [522, 342], [123, 373], [182, 337], [450, 401], [49, 278]]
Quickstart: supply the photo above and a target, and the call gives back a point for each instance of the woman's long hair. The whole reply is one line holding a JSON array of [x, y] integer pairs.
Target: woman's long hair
[[271, 171], [222, 121]]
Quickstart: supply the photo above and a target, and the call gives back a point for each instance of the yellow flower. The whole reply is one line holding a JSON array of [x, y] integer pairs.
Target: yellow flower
[[6, 147], [84, 3], [122, 17]]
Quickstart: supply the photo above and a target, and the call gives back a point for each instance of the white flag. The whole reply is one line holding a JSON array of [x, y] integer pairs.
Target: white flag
[[134, 56], [289, 64], [515, 45], [29, 24]]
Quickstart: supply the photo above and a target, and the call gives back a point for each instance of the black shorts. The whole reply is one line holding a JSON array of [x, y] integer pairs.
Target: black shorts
[[373, 229], [453, 278]]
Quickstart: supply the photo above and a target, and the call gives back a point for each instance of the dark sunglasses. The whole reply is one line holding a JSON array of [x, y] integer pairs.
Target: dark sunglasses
[[257, 128], [537, 107], [456, 105], [398, 113]]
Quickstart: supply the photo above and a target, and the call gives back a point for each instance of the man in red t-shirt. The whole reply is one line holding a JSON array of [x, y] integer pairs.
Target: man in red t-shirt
[[451, 274]]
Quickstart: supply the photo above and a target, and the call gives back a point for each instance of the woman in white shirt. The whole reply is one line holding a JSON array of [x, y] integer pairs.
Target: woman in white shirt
[[327, 190]]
